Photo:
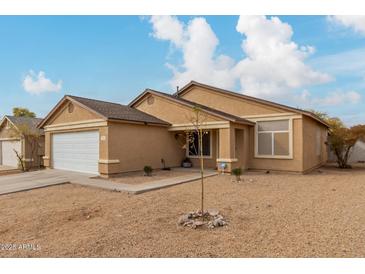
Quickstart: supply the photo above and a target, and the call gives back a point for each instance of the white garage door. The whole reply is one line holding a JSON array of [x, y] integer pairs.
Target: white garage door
[[77, 151], [8, 155]]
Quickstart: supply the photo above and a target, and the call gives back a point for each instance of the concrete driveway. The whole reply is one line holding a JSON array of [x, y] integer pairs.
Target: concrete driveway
[[50, 177], [36, 179]]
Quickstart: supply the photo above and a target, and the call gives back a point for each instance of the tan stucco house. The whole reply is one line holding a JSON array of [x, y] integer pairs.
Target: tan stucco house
[[12, 130], [241, 131]]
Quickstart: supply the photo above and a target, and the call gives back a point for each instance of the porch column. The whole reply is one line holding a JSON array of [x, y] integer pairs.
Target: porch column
[[105, 165], [47, 149], [226, 157]]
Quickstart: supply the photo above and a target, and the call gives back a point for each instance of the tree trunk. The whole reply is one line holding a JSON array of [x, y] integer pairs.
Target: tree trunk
[[20, 159], [342, 158], [34, 153], [200, 136]]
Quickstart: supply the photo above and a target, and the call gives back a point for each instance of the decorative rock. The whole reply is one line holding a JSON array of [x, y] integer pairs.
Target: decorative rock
[[210, 219], [183, 219], [213, 212], [199, 223], [188, 223], [218, 222], [211, 225]]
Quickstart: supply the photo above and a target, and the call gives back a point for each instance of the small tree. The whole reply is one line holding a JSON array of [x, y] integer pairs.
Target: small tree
[[20, 160], [198, 120], [31, 138], [341, 139], [23, 112], [209, 218]]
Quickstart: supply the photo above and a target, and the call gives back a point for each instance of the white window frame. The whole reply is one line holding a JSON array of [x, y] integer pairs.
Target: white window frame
[[290, 131], [210, 147]]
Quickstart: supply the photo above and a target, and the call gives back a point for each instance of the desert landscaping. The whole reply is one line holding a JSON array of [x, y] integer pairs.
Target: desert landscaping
[[320, 214], [137, 177]]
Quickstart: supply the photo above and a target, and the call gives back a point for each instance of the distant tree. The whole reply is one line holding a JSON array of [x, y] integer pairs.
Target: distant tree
[[333, 122], [341, 139], [320, 114], [23, 112]]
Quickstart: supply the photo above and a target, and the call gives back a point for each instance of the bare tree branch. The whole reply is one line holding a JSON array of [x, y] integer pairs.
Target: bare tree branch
[[198, 122]]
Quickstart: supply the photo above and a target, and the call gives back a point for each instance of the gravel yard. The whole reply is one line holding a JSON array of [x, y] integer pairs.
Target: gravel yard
[[135, 178], [321, 214]]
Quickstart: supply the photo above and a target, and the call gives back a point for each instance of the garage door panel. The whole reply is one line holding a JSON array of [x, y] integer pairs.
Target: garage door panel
[[76, 151], [8, 155]]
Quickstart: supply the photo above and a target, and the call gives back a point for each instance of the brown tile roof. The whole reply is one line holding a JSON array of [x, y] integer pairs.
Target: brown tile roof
[[29, 121], [215, 112], [115, 111]]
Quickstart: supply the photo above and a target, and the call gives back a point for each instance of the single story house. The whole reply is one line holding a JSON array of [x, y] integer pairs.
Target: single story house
[[105, 138], [240, 131], [13, 136]]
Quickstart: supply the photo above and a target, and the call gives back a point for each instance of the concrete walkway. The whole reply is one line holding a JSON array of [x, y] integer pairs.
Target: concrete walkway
[[43, 178], [30, 180], [144, 187]]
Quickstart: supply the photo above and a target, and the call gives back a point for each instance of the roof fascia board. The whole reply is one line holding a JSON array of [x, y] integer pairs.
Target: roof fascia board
[[7, 119], [86, 107], [139, 98], [137, 122], [54, 110], [187, 87]]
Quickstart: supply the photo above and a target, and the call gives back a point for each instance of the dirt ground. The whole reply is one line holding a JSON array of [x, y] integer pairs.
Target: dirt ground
[[321, 214], [6, 170], [135, 178]]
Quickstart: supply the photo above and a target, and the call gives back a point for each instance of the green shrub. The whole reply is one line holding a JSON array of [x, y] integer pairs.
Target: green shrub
[[237, 172], [147, 170]]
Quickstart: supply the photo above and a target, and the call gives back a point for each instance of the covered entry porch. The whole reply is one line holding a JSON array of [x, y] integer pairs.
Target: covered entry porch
[[225, 144]]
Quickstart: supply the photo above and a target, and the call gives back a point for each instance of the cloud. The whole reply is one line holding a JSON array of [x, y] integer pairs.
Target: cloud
[[273, 64], [333, 98], [168, 28], [198, 43], [38, 83], [353, 119], [355, 22], [348, 62]]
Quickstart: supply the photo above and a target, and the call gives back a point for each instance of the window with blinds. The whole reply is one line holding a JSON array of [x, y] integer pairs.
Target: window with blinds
[[273, 138]]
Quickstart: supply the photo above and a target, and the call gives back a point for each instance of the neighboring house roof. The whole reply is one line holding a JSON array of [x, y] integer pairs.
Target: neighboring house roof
[[250, 98], [29, 121], [109, 111], [206, 109]]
